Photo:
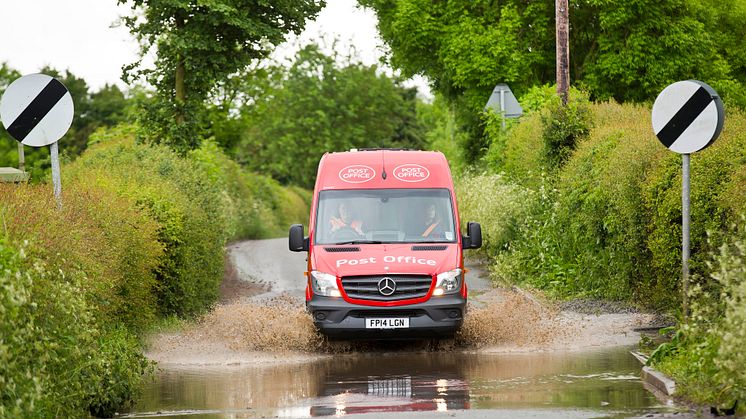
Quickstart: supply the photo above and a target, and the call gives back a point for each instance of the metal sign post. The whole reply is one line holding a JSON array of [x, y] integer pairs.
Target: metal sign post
[[56, 178], [685, 219], [687, 117], [37, 110], [21, 158]]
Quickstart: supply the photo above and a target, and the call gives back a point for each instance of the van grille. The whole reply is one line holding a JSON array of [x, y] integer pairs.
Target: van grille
[[407, 287]]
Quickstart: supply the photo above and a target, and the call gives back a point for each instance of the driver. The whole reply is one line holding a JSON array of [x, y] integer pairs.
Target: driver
[[433, 225], [345, 220]]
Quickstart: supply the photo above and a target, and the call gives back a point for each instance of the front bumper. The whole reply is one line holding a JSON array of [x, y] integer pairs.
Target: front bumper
[[439, 316]]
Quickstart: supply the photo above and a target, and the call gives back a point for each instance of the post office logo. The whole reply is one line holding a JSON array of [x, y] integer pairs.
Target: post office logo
[[411, 173], [357, 173]]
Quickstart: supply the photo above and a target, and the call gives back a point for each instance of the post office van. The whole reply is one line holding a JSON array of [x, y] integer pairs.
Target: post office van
[[385, 249]]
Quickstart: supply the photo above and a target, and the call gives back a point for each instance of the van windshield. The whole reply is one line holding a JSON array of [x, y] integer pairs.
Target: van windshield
[[385, 216]]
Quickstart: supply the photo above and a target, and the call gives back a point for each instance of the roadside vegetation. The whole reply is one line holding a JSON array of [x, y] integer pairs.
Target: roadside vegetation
[[706, 354], [140, 237], [601, 218]]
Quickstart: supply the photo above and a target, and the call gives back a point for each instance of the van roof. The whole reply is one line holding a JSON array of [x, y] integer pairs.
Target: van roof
[[365, 170]]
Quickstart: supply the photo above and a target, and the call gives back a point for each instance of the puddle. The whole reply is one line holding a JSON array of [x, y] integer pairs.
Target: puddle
[[569, 384]]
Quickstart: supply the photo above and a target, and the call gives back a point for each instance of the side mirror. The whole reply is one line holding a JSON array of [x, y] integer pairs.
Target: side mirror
[[474, 238], [296, 241]]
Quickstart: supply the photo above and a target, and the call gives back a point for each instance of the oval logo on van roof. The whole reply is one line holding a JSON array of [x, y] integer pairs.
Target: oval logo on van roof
[[411, 173], [357, 173]]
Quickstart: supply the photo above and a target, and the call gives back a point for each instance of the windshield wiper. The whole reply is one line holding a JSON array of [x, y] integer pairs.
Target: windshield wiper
[[360, 242]]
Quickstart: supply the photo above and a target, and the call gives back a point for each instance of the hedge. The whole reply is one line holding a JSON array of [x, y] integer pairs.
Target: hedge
[[607, 222], [140, 235]]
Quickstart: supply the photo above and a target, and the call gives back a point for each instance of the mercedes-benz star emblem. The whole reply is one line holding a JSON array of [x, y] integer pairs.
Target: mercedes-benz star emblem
[[386, 286]]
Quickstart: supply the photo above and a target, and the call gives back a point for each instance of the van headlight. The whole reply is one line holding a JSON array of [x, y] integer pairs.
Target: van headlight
[[324, 284], [448, 282]]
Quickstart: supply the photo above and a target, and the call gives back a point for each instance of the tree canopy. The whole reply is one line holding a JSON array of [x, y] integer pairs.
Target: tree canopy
[[323, 103], [628, 51], [198, 43]]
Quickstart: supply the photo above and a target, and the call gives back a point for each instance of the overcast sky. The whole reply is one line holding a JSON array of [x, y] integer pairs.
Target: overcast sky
[[85, 36]]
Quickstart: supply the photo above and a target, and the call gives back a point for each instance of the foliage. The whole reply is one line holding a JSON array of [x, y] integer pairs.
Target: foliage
[[643, 46], [141, 232], [116, 372], [519, 152], [601, 225], [716, 202], [97, 235], [318, 105], [53, 360], [198, 44], [177, 196], [257, 206], [497, 204], [441, 132], [707, 358], [197, 202], [564, 126], [628, 51]]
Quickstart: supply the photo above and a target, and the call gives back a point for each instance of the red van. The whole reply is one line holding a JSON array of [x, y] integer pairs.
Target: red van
[[385, 255]]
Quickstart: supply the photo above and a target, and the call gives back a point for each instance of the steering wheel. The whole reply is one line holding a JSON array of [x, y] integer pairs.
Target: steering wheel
[[345, 234]]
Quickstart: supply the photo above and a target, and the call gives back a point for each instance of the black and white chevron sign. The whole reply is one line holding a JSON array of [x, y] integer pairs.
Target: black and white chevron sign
[[688, 116], [36, 110]]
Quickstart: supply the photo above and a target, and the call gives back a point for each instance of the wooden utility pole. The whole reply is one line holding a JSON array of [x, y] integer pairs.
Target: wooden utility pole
[[562, 19], [180, 88]]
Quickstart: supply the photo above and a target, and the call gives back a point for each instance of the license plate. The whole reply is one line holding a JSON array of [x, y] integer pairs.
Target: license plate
[[387, 323]]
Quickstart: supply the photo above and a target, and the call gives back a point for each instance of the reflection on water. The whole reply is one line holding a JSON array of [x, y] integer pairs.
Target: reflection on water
[[605, 381]]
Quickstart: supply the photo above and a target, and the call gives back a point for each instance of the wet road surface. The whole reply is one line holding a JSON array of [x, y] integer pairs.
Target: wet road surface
[[570, 384], [388, 383]]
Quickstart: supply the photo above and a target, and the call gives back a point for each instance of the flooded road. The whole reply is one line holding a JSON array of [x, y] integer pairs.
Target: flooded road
[[257, 355], [571, 384]]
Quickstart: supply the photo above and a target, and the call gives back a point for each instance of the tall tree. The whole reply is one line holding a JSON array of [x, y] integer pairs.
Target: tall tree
[[198, 43], [324, 103], [628, 50]]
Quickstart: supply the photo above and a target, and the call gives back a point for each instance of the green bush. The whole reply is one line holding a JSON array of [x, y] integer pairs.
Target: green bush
[[180, 197], [141, 232], [716, 202], [520, 155], [116, 372], [706, 359], [197, 202], [586, 232], [600, 216], [563, 127], [442, 133], [730, 272], [542, 139], [50, 351], [97, 234], [256, 206], [602, 224], [497, 204]]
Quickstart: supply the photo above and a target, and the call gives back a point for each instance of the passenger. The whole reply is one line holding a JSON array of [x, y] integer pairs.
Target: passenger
[[345, 220], [433, 226]]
